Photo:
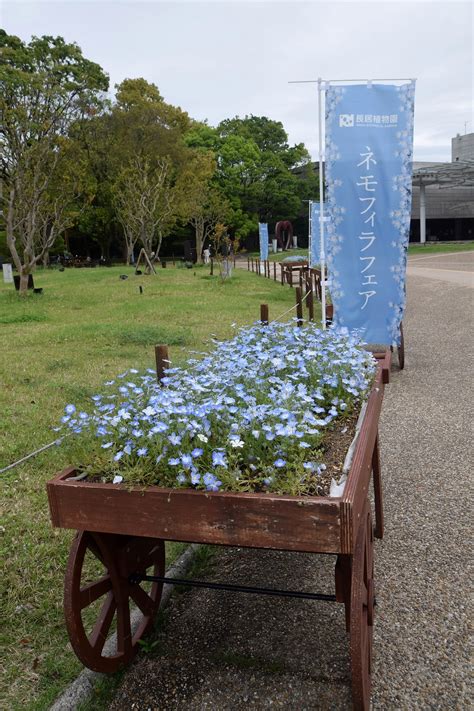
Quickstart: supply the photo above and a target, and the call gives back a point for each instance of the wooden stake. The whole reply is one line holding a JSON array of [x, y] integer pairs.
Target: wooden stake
[[162, 361], [264, 314], [274, 271]]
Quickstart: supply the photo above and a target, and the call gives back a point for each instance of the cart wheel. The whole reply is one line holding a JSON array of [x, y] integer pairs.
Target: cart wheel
[[401, 349], [362, 613], [98, 570]]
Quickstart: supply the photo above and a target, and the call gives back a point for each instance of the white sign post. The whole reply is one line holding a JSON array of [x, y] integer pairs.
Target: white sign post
[[7, 273]]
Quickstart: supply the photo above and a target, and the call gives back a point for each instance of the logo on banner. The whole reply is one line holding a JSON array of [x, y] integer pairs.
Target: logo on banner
[[378, 120], [346, 120]]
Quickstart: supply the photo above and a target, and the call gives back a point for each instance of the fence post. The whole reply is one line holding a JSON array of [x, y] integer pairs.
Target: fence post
[[282, 275], [248, 264], [274, 271], [264, 314], [162, 361], [299, 307], [310, 302]]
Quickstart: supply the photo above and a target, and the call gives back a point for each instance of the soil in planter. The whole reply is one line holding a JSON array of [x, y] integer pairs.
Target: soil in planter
[[336, 444]]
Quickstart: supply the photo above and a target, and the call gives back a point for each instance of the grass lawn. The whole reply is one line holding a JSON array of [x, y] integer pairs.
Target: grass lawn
[[412, 249], [440, 248], [57, 348]]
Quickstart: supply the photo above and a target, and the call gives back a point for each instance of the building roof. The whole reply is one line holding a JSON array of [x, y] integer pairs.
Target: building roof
[[445, 175]]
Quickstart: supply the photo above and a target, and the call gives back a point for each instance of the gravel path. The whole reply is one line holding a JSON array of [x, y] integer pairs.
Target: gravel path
[[224, 651]]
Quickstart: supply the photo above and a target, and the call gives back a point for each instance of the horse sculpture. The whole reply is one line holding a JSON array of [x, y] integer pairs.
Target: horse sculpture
[[284, 230]]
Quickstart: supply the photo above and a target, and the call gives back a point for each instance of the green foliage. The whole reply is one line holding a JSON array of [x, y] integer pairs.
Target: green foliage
[[261, 176], [45, 86]]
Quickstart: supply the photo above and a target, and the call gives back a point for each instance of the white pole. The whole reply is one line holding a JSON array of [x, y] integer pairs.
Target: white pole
[[322, 256], [422, 213], [310, 231]]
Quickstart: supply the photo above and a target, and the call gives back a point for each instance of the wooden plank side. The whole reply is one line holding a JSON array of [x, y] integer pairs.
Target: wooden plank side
[[253, 520], [357, 486]]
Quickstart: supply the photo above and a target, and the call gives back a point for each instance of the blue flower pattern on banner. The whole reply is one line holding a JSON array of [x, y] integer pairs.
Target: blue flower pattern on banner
[[392, 160], [263, 239]]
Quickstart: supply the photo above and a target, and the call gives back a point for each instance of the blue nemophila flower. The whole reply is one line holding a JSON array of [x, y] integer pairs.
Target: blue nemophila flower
[[186, 461], [195, 477], [118, 456], [181, 478], [107, 445], [218, 459], [70, 409], [279, 463], [251, 410], [211, 482], [142, 452]]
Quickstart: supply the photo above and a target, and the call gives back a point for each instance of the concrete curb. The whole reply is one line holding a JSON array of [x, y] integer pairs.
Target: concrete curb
[[83, 687]]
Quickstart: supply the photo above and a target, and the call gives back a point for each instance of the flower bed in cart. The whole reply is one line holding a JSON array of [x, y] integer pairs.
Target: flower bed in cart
[[273, 410], [270, 442]]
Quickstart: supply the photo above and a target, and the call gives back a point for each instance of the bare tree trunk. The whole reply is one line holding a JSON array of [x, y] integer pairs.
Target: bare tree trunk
[[24, 274], [46, 259], [199, 243]]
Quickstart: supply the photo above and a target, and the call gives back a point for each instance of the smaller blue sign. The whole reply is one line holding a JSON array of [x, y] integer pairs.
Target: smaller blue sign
[[263, 235], [314, 257]]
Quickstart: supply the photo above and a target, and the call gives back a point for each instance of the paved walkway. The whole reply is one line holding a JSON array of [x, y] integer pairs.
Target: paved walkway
[[221, 651]]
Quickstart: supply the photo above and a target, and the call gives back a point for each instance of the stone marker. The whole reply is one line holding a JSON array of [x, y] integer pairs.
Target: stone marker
[[7, 273]]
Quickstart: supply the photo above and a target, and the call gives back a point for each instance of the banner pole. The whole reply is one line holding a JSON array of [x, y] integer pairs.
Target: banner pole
[[322, 257], [310, 232]]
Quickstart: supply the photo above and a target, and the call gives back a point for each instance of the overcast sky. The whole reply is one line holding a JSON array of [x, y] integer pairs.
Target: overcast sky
[[220, 59]]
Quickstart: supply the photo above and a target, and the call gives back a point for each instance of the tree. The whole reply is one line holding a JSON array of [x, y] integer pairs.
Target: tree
[[143, 198], [259, 173], [45, 86]]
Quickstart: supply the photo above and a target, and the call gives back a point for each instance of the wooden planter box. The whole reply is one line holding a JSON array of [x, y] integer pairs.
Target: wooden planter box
[[293, 523], [124, 530]]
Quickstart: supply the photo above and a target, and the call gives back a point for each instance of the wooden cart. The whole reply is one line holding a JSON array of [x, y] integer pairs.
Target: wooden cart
[[125, 530]]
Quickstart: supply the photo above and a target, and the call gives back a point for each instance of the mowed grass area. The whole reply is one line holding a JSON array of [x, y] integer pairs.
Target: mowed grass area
[[57, 348], [412, 249]]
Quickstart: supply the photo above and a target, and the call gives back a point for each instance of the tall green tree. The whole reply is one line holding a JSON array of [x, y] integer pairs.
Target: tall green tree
[[262, 177], [45, 87], [149, 148]]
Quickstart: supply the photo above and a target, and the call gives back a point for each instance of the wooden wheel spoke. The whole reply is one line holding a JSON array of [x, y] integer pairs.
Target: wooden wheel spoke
[[124, 633], [142, 600], [91, 592], [138, 555], [102, 626]]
